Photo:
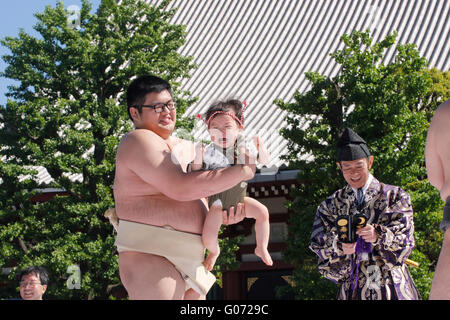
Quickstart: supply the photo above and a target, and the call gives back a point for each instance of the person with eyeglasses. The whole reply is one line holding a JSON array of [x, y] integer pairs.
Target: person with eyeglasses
[[33, 283], [160, 207]]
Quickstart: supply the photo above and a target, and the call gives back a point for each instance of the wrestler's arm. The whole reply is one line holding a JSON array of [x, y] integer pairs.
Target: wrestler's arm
[[146, 154], [442, 143], [433, 163], [441, 280], [439, 128]]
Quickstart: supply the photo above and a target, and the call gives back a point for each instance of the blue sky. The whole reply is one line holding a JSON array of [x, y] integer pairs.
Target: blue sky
[[17, 14]]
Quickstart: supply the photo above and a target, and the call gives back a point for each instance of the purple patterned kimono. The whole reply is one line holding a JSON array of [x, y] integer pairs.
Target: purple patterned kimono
[[379, 273]]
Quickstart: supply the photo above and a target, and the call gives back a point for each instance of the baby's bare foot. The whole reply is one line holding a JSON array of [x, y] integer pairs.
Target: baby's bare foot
[[210, 261], [264, 255]]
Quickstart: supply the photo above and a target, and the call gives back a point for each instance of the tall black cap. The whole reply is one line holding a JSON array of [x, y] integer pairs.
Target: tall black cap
[[351, 146]]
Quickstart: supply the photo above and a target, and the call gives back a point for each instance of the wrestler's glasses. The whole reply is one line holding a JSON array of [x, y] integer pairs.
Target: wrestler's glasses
[[159, 107]]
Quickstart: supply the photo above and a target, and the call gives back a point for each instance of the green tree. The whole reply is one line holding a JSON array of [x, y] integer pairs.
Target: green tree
[[389, 105], [67, 114]]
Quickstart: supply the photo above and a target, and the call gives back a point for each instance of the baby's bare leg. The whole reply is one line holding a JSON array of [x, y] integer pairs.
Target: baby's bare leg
[[210, 234], [256, 210]]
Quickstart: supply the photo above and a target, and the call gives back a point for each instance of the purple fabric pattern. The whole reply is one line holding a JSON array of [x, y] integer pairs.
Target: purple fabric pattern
[[375, 271]]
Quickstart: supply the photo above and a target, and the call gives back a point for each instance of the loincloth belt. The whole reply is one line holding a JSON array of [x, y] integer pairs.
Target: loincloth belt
[[184, 250], [446, 215]]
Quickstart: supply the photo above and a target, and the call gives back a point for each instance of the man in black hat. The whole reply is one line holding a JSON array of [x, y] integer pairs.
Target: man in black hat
[[363, 233]]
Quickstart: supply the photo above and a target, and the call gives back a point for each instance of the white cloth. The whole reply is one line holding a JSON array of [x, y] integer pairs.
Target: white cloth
[[213, 158], [184, 250], [364, 189]]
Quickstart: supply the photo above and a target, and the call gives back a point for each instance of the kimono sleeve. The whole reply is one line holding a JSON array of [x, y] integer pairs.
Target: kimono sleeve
[[396, 229], [333, 264]]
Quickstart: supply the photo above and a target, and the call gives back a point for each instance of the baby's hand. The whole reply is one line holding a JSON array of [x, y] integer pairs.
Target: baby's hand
[[245, 156], [256, 141], [263, 153]]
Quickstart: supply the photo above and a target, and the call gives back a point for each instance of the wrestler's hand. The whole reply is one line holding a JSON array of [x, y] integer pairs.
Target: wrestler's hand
[[349, 248], [368, 233], [249, 171], [231, 217]]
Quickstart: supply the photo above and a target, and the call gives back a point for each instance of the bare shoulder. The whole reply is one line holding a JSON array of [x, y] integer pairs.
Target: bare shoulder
[[442, 112], [141, 138], [440, 121], [141, 144], [444, 106], [140, 135]]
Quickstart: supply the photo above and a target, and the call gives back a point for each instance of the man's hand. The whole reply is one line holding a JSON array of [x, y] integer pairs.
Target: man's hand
[[368, 233], [249, 171], [349, 248], [232, 217]]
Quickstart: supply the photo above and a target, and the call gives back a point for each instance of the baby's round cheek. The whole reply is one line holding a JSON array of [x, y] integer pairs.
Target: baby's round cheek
[[232, 135], [214, 133]]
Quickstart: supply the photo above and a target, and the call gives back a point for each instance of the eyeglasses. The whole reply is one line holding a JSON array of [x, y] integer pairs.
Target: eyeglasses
[[159, 107], [32, 284]]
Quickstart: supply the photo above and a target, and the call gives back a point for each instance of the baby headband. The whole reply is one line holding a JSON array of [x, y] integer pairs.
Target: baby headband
[[241, 120]]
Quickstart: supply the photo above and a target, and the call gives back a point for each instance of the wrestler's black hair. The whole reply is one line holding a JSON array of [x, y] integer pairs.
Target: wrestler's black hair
[[140, 87], [225, 106], [38, 271]]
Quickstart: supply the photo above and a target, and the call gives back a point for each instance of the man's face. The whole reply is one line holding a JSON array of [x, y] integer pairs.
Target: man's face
[[356, 172], [31, 287], [162, 123]]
